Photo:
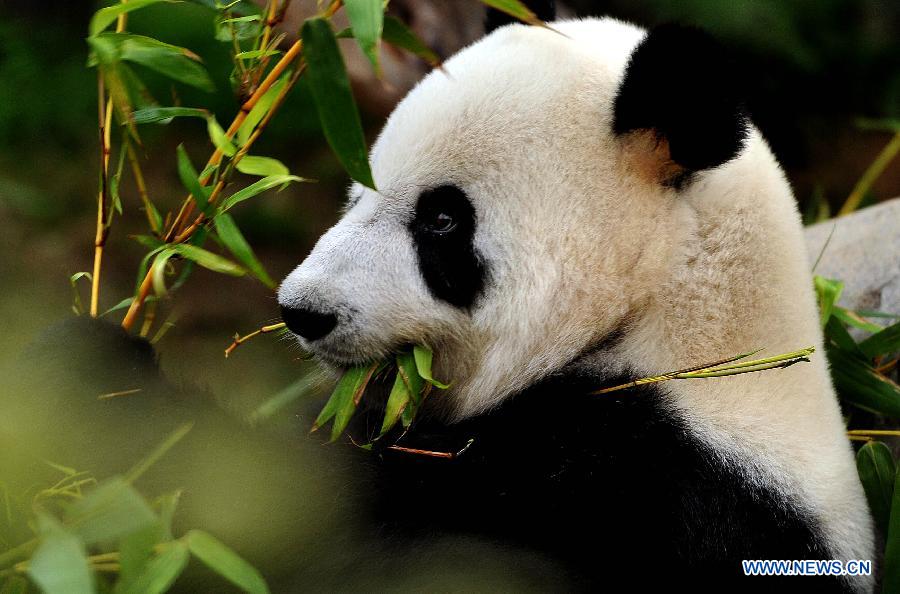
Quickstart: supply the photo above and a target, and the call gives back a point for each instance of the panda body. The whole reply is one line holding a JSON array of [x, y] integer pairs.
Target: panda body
[[559, 210]]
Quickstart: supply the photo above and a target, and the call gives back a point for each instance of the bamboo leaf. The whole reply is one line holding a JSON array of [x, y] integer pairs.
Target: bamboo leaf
[[828, 292], [158, 271], [105, 17], [234, 241], [334, 101], [175, 62], [515, 9], [398, 400], [207, 259], [164, 115], [14, 584], [423, 357], [258, 187], [862, 386], [397, 34], [228, 564], [854, 319], [367, 18], [876, 471], [259, 111], [135, 552], [344, 398], [162, 571], [191, 182], [59, 565], [108, 512], [261, 166], [255, 54], [882, 343], [837, 333], [218, 137]]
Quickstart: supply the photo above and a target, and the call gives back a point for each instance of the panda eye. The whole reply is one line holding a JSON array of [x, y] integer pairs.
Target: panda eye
[[443, 211], [441, 222]]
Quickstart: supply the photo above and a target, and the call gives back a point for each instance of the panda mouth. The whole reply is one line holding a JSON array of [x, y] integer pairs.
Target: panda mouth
[[335, 356]]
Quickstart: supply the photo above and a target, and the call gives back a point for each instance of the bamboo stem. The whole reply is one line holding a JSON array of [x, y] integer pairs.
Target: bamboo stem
[[239, 340], [872, 173], [104, 119]]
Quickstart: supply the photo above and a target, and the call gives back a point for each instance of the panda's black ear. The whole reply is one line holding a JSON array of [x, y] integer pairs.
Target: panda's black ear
[[544, 9], [680, 84]]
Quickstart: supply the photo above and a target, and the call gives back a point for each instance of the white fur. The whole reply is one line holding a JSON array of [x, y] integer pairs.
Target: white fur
[[576, 242]]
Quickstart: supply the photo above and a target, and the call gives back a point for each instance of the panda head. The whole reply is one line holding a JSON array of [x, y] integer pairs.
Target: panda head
[[524, 207]]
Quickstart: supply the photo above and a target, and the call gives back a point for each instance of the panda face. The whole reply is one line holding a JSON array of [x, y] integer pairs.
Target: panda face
[[513, 226]]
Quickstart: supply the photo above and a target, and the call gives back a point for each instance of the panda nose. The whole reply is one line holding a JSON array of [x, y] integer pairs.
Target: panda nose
[[309, 324]]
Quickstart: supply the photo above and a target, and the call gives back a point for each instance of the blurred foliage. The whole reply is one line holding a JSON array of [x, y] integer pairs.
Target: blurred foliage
[[814, 67]]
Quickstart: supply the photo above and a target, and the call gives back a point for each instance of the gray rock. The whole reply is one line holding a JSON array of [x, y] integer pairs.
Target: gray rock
[[864, 253]]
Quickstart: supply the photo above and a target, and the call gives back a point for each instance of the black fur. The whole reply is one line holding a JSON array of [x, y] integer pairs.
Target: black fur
[[613, 486], [450, 265], [680, 83], [545, 11]]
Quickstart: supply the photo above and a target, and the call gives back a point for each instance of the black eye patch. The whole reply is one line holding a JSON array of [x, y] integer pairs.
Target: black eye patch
[[442, 230]]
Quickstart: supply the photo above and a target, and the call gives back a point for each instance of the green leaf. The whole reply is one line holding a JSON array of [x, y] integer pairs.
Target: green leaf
[[258, 187], [255, 54], [861, 385], [876, 471], [398, 35], [108, 512], [191, 182], [175, 62], [344, 399], [304, 386], [259, 111], [158, 452], [334, 100], [59, 565], [234, 241], [158, 271], [164, 115], [837, 333], [105, 17], [261, 166], [397, 402], [114, 181], [238, 28], [416, 385], [853, 318], [14, 584], [367, 18], [828, 292], [423, 356], [218, 137], [162, 571], [515, 9], [207, 259], [890, 575], [77, 306], [148, 241], [135, 552], [884, 342], [167, 505], [226, 562]]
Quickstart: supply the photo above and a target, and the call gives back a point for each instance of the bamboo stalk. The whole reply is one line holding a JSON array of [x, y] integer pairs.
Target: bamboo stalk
[[872, 173], [239, 340], [104, 119], [179, 230], [719, 369], [175, 229]]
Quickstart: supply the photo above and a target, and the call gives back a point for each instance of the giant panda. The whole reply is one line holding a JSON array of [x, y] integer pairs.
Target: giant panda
[[566, 208]]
